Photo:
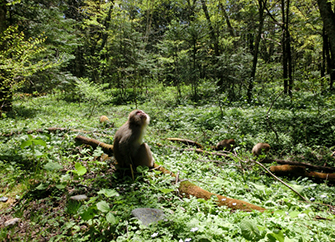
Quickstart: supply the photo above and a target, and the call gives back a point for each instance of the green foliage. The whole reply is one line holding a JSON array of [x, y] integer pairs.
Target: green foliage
[[66, 169], [190, 73], [19, 59], [91, 93]]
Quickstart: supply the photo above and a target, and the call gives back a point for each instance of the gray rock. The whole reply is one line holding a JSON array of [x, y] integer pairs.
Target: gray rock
[[3, 199], [12, 221], [148, 215], [79, 197]]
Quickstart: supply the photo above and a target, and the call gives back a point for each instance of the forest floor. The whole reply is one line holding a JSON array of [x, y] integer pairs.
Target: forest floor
[[42, 170]]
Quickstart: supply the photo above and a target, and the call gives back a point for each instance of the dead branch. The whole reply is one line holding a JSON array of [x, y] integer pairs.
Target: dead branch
[[186, 141], [199, 151], [281, 181], [289, 170], [294, 163]]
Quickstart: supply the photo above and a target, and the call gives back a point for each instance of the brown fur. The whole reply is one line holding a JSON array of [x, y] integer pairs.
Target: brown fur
[[129, 148], [103, 119], [261, 148], [226, 144]]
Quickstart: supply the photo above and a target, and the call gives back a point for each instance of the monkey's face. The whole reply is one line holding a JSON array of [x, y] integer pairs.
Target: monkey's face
[[139, 117]]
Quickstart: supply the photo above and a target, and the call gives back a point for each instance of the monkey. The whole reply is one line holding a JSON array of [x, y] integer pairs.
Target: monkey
[[225, 144], [260, 148], [104, 119], [128, 146]]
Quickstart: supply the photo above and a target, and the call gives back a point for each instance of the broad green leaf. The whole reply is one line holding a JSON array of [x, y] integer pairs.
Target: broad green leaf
[[51, 166], [39, 142], [250, 230], [296, 187], [103, 206], [111, 218], [294, 214], [38, 153], [60, 186], [166, 190], [98, 152], [276, 236], [66, 177], [81, 170], [26, 143], [259, 187], [87, 214], [42, 186], [108, 192]]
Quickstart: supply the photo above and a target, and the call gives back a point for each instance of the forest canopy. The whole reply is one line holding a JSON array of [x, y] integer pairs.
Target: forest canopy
[[229, 45]]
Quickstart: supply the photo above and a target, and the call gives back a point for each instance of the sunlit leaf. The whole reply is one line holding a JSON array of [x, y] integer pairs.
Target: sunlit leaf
[[80, 170], [103, 206]]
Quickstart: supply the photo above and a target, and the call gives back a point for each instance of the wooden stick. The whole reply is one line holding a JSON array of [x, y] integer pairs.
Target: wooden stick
[[278, 179], [186, 141]]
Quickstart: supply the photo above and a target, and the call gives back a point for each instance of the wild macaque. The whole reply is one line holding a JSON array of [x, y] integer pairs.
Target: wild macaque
[[129, 148], [261, 148], [104, 119], [226, 144]]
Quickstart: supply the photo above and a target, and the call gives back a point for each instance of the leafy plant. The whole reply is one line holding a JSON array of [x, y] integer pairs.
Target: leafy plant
[[91, 93]]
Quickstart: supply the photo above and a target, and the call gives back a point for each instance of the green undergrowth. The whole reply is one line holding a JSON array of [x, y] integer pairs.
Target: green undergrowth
[[40, 171]]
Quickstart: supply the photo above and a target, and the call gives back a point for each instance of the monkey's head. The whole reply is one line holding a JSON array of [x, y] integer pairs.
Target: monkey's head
[[138, 117]]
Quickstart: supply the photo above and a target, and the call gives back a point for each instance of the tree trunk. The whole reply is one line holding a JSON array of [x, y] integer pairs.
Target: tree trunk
[[288, 49], [211, 29], [328, 18], [230, 27], [324, 50], [5, 94], [262, 4], [284, 46]]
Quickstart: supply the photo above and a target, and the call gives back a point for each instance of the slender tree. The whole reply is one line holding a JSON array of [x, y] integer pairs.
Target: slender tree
[[5, 95], [261, 8], [328, 17]]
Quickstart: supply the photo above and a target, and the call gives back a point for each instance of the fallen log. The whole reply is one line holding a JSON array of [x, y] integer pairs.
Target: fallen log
[[294, 163], [189, 188], [185, 187], [289, 170]]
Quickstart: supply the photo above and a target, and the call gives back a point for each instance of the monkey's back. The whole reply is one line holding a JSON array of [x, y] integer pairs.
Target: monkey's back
[[259, 148], [125, 145]]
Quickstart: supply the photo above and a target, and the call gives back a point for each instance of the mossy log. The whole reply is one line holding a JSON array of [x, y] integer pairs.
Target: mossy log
[[189, 188], [289, 170], [294, 163]]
